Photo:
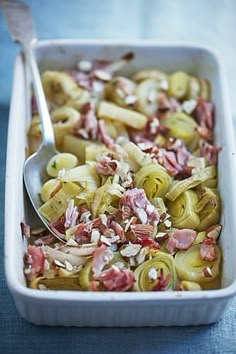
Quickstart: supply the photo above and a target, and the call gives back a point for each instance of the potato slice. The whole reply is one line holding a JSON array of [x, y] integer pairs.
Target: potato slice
[[61, 161], [111, 111]]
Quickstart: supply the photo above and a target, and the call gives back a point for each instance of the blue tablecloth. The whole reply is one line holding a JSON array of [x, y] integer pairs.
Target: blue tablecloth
[[208, 22]]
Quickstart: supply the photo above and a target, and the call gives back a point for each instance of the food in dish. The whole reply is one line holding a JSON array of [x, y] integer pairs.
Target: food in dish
[[134, 190]]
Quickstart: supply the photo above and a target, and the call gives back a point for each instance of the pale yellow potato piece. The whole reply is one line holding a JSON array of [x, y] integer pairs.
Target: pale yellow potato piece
[[133, 119], [78, 147], [61, 161]]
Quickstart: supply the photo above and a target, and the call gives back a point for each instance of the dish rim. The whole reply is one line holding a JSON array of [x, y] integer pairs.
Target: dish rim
[[88, 296]]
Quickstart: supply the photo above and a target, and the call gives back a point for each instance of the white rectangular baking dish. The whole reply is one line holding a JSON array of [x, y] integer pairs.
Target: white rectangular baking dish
[[118, 309]]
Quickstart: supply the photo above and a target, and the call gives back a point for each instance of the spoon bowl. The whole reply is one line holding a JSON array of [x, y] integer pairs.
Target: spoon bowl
[[35, 175]]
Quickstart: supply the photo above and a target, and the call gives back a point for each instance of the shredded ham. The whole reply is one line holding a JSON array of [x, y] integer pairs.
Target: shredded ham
[[101, 257], [162, 283], [118, 230], [59, 227], [103, 134], [163, 102], [84, 80], [181, 239], [83, 234], [204, 113], [207, 249], [107, 166], [87, 126], [71, 215], [214, 231], [136, 202], [117, 279], [174, 158], [210, 152], [94, 285], [34, 262], [145, 241]]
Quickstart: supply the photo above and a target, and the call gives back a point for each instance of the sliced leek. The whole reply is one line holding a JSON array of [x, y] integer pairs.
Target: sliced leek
[[56, 206], [190, 266], [118, 89], [145, 281], [85, 175], [106, 198], [47, 188], [182, 126], [57, 283], [190, 285], [154, 179], [136, 157], [179, 187], [208, 208], [178, 84], [183, 211], [153, 74]]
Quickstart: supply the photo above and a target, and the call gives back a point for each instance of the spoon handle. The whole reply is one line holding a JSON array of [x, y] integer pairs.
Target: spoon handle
[[21, 27]]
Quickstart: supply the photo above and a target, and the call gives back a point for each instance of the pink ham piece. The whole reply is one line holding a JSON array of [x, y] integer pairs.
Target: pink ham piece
[[175, 158], [107, 166], [71, 215], [103, 134], [90, 123], [136, 202], [58, 227], [163, 102], [87, 126], [168, 160], [101, 257], [181, 239], [210, 152], [207, 249], [117, 279], [204, 114], [162, 282], [34, 262], [83, 79], [146, 241], [118, 230]]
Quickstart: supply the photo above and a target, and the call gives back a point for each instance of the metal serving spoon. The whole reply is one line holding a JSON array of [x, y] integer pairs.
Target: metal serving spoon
[[21, 28]]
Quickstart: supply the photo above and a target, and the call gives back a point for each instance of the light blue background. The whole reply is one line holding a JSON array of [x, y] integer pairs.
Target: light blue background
[[209, 22]]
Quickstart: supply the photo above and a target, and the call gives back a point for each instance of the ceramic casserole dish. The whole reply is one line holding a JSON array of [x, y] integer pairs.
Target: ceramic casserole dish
[[75, 308]]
